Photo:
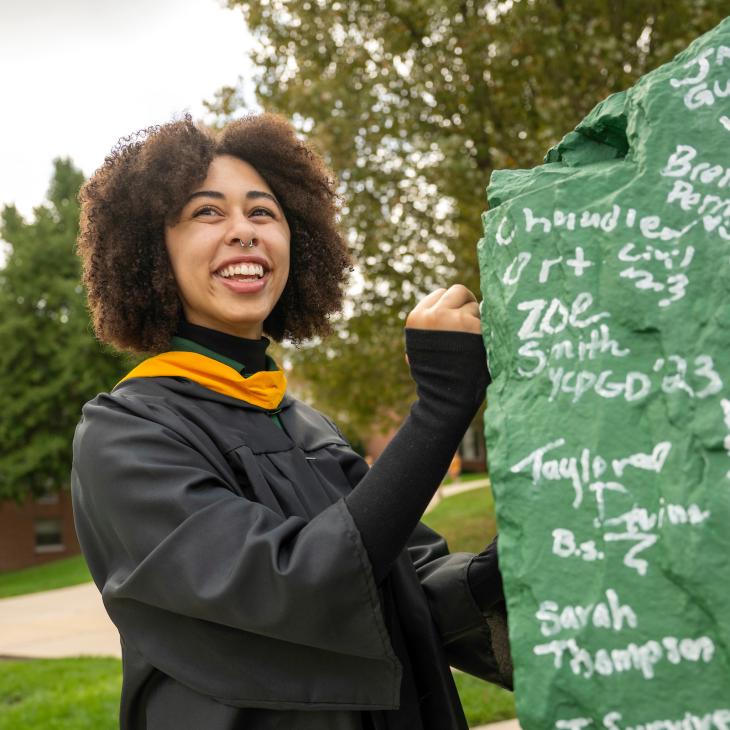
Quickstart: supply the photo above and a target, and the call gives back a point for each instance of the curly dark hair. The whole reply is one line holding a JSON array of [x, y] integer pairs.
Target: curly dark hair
[[144, 184]]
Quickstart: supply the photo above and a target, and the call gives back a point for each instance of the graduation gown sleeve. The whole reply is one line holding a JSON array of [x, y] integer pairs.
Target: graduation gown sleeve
[[217, 591], [473, 641]]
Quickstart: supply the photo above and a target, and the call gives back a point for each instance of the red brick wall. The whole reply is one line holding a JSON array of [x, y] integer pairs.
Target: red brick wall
[[17, 532]]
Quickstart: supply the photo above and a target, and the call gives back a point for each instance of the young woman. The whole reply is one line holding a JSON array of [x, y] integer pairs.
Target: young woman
[[260, 575]]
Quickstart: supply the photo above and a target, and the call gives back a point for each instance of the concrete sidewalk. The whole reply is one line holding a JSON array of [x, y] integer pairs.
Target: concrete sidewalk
[[65, 622]]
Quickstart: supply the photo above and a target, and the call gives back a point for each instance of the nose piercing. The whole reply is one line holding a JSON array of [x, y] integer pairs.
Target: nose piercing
[[250, 243]]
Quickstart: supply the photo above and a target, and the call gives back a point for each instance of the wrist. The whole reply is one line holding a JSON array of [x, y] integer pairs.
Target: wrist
[[449, 368], [421, 340]]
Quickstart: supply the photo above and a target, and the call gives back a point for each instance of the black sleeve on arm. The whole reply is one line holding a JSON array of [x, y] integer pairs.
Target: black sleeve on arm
[[485, 585], [451, 377], [474, 637], [485, 580]]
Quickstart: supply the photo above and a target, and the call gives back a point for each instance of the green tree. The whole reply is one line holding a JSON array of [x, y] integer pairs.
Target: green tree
[[414, 104], [50, 363]]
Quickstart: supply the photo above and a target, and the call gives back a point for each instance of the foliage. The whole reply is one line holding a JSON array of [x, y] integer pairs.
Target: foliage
[[50, 363], [414, 104], [466, 520], [56, 574], [60, 694]]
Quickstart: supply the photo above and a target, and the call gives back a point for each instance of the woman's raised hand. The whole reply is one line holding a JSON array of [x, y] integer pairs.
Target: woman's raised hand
[[454, 309]]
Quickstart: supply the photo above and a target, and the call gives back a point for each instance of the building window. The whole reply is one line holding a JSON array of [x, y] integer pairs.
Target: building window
[[48, 498], [48, 536]]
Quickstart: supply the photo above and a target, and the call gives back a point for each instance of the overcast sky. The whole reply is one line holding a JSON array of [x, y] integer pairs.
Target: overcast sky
[[76, 75]]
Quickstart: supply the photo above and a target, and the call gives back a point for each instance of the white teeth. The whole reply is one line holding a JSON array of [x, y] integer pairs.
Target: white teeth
[[242, 270]]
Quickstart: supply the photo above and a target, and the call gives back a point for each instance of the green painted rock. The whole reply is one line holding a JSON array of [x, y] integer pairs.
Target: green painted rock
[[606, 283]]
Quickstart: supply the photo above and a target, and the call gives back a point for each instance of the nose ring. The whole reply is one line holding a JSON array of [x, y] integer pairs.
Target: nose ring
[[250, 243]]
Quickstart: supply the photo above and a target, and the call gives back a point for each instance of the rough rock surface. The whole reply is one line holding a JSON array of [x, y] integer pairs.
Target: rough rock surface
[[606, 284]]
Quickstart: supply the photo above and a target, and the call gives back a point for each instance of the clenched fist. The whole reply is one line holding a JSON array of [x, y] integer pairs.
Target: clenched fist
[[454, 309]]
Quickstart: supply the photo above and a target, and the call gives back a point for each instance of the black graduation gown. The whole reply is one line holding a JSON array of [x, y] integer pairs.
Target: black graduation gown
[[228, 560]]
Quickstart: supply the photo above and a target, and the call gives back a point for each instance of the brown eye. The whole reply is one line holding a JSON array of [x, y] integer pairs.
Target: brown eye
[[262, 211], [207, 210]]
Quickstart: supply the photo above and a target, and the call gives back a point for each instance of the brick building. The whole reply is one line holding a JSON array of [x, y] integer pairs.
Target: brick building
[[36, 531]]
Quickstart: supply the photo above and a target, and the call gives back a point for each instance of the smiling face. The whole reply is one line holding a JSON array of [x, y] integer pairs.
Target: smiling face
[[222, 285]]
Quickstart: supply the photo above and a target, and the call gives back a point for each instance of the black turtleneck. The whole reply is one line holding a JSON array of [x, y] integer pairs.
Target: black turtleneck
[[250, 353]]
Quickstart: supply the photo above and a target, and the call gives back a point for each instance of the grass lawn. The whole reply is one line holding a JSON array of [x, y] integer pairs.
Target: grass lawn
[[483, 702], [466, 520], [58, 574], [60, 694], [466, 477], [83, 694]]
